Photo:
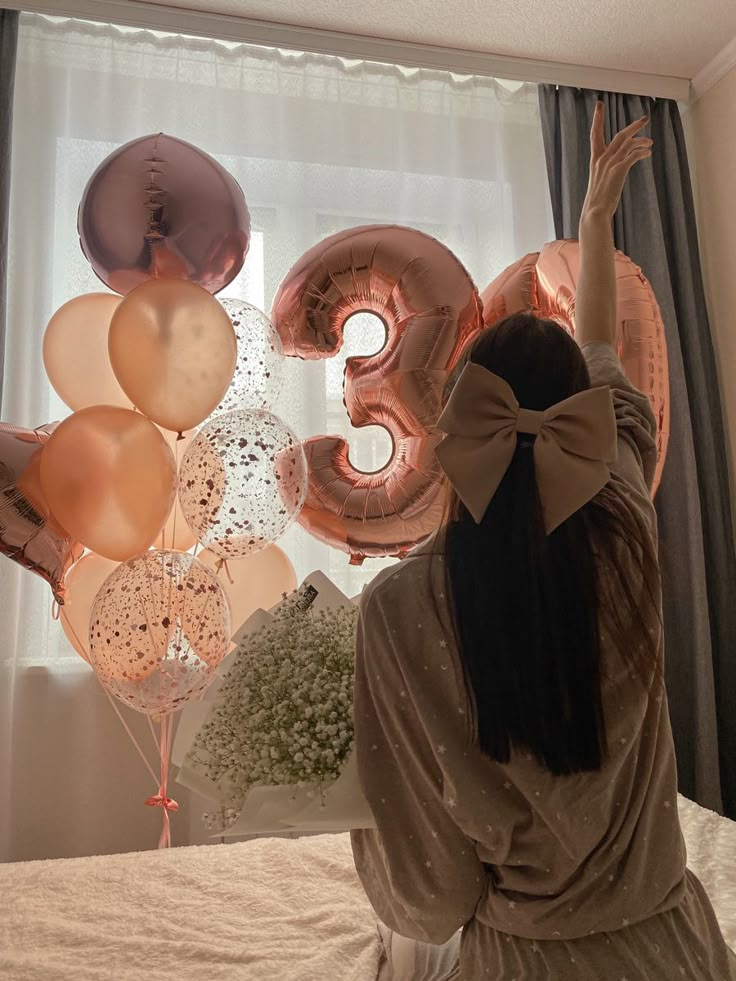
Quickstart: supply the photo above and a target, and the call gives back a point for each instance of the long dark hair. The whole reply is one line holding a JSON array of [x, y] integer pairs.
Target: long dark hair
[[529, 608]]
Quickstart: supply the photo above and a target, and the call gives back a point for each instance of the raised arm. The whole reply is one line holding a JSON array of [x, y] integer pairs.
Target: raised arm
[[595, 301]]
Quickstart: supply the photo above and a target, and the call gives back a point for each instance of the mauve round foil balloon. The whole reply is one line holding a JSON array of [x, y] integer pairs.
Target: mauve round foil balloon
[[159, 207], [29, 534], [430, 309]]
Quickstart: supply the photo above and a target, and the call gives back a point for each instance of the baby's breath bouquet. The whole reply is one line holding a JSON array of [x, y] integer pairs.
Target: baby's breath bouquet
[[272, 748]]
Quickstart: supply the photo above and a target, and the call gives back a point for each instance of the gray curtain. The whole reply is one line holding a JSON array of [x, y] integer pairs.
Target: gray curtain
[[8, 46], [655, 226]]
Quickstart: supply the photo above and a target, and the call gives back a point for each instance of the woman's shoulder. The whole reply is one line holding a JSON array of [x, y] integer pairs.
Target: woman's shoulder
[[405, 583]]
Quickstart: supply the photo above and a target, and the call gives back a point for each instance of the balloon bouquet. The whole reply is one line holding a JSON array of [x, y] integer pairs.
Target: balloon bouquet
[[126, 477]]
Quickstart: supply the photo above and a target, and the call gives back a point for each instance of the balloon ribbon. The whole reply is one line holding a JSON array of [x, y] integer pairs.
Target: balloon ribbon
[[161, 799]]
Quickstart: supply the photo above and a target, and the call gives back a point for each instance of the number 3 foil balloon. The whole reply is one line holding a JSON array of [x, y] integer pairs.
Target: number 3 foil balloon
[[430, 309]]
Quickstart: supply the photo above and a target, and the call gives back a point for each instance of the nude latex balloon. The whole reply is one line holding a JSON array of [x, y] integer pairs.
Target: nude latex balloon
[[176, 533], [545, 283], [159, 207], [75, 352], [173, 350], [82, 586], [110, 477], [255, 582]]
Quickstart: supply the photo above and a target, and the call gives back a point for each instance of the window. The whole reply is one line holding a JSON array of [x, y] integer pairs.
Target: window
[[318, 145]]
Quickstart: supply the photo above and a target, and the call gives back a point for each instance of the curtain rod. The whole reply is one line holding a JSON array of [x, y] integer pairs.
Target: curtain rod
[[226, 27]]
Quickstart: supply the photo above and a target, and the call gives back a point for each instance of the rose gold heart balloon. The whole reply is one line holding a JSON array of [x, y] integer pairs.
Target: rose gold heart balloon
[[545, 283], [29, 535]]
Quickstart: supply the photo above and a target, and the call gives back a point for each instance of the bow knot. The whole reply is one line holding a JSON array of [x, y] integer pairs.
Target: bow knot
[[161, 800], [529, 422], [575, 441]]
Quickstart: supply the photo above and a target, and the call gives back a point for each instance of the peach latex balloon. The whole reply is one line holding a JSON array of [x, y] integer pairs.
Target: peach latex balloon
[[82, 586], [173, 350], [255, 582], [75, 352], [176, 533], [110, 479], [545, 282]]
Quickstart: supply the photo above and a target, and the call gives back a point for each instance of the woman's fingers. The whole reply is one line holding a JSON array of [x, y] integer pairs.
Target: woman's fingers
[[624, 165], [597, 135], [634, 143], [624, 134]]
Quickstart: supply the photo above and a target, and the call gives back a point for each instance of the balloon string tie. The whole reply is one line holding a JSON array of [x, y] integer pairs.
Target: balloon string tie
[[161, 799]]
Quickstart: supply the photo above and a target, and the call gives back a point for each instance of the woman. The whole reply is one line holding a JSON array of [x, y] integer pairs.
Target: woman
[[512, 729]]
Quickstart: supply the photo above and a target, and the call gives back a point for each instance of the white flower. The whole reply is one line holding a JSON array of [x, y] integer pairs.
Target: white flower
[[284, 711]]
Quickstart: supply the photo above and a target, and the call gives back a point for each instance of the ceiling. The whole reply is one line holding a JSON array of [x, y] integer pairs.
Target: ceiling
[[661, 37]]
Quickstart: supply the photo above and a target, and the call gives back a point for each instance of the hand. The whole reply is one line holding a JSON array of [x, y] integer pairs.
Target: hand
[[610, 165]]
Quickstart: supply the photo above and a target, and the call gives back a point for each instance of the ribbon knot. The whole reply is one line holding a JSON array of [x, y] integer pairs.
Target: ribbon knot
[[575, 442], [529, 422], [160, 800]]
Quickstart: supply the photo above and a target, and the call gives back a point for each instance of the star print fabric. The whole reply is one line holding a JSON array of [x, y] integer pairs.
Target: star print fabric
[[565, 878]]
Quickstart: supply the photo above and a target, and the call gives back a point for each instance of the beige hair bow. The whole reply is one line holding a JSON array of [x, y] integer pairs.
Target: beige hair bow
[[575, 443]]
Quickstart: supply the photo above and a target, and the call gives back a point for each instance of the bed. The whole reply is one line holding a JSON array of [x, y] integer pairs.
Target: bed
[[264, 910]]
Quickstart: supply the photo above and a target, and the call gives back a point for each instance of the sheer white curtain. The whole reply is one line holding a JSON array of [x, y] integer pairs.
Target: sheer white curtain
[[318, 144]]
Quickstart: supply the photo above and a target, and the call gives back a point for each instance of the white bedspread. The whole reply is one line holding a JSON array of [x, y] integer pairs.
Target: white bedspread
[[711, 854], [267, 910]]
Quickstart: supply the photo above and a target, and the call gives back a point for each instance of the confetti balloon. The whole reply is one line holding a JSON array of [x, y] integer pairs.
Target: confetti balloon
[[160, 625], [242, 482], [259, 372]]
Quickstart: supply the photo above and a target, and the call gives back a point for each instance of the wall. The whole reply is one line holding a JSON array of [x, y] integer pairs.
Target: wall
[[711, 126]]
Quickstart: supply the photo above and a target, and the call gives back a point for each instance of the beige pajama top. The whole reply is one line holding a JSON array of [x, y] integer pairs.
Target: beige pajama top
[[576, 877]]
